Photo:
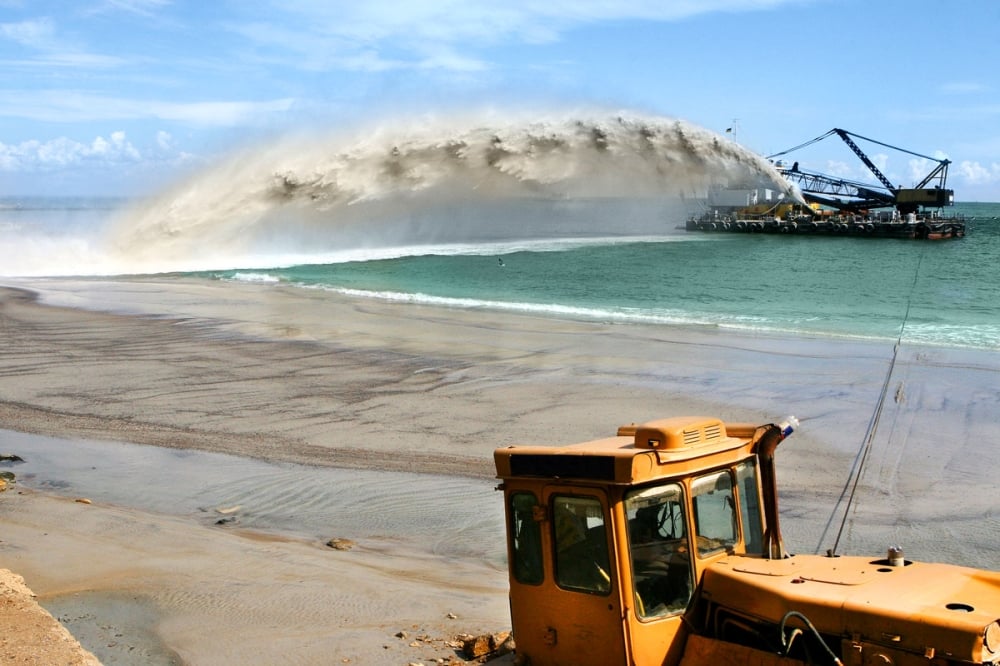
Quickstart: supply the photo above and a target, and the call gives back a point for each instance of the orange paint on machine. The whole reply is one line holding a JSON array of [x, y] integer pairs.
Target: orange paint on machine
[[661, 545]]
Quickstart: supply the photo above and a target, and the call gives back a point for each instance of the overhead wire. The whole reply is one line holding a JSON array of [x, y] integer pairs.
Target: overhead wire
[[801, 145], [864, 138]]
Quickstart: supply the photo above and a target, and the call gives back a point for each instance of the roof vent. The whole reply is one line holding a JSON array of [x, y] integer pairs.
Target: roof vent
[[678, 433]]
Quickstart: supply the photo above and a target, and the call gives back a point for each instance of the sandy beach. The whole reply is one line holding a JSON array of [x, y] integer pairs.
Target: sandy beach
[[288, 377]]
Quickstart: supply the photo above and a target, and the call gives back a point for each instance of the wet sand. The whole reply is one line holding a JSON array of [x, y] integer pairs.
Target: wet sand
[[295, 376]]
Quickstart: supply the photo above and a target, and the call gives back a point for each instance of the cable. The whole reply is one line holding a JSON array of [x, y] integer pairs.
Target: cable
[[801, 145], [861, 460], [886, 145], [809, 625]]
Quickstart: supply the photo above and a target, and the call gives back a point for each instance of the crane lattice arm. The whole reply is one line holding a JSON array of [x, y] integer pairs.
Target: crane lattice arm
[[817, 187], [845, 135]]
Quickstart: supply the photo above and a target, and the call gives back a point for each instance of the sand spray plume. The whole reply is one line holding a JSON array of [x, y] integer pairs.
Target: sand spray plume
[[335, 189]]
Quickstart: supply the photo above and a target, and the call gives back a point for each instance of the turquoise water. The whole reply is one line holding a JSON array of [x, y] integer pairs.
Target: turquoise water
[[926, 292], [938, 293]]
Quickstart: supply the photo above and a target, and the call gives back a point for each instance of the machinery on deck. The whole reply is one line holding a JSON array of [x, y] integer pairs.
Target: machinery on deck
[[854, 197], [661, 546], [837, 206]]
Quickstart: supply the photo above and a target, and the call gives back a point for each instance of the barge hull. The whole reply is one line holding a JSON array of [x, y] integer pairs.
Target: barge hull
[[922, 230]]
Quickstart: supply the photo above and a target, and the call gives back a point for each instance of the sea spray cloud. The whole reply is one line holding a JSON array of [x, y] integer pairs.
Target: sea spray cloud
[[333, 182]]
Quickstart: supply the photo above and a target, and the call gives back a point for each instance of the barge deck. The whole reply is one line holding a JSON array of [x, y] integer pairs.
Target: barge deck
[[930, 228]]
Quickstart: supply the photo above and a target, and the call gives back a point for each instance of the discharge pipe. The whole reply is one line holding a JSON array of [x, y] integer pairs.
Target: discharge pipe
[[766, 440]]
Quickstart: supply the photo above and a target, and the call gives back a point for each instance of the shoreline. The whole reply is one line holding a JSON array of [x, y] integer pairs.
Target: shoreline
[[29, 632], [290, 375], [136, 587], [328, 354]]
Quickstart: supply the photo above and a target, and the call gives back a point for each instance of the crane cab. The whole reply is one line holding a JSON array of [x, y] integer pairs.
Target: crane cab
[[608, 539]]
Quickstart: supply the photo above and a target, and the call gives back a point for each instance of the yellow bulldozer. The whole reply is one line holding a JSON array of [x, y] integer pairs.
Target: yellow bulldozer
[[661, 546]]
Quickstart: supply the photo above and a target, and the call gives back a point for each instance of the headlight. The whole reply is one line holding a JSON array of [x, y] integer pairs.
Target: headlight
[[991, 641]]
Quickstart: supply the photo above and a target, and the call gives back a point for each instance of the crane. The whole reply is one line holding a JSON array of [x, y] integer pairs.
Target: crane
[[852, 196]]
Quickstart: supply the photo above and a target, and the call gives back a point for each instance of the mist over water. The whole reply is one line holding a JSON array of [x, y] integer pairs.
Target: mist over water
[[438, 181], [326, 196]]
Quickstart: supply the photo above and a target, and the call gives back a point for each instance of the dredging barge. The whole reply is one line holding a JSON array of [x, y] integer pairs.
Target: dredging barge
[[838, 207], [921, 228]]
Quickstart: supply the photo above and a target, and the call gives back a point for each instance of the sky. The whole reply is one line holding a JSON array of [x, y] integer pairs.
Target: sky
[[123, 97]]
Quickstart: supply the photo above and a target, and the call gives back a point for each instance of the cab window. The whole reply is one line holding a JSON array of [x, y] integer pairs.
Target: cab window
[[714, 512], [662, 578], [581, 544], [526, 539], [749, 500]]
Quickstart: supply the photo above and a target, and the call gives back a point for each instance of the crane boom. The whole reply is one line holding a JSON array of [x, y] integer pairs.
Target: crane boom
[[816, 187], [845, 136]]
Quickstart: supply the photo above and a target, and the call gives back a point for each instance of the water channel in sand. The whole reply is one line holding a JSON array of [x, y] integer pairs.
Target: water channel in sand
[[441, 516]]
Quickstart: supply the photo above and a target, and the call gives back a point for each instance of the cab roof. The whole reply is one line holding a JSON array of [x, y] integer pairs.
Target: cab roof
[[638, 453]]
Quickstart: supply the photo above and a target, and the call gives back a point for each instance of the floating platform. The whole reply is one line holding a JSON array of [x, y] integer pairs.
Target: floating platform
[[921, 229]]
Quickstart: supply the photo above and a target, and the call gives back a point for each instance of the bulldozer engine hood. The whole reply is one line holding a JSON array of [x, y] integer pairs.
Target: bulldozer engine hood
[[923, 608]]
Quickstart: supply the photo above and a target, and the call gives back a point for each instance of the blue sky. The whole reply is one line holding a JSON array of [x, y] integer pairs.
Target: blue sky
[[110, 97]]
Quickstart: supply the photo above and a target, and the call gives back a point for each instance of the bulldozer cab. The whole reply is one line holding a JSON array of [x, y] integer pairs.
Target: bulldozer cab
[[661, 546], [607, 539]]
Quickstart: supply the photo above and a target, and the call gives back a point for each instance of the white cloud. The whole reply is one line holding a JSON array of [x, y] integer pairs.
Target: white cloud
[[321, 35], [65, 59], [975, 173], [118, 146], [446, 58], [208, 113], [74, 106], [919, 168], [840, 169], [881, 161], [312, 49], [36, 34], [39, 35], [164, 140], [963, 87], [140, 7], [461, 20], [63, 153], [113, 153]]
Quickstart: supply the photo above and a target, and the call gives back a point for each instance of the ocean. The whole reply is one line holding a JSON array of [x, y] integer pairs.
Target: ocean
[[921, 292], [562, 216]]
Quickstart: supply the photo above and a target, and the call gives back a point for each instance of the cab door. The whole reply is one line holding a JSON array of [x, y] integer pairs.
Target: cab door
[[658, 576], [571, 615]]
